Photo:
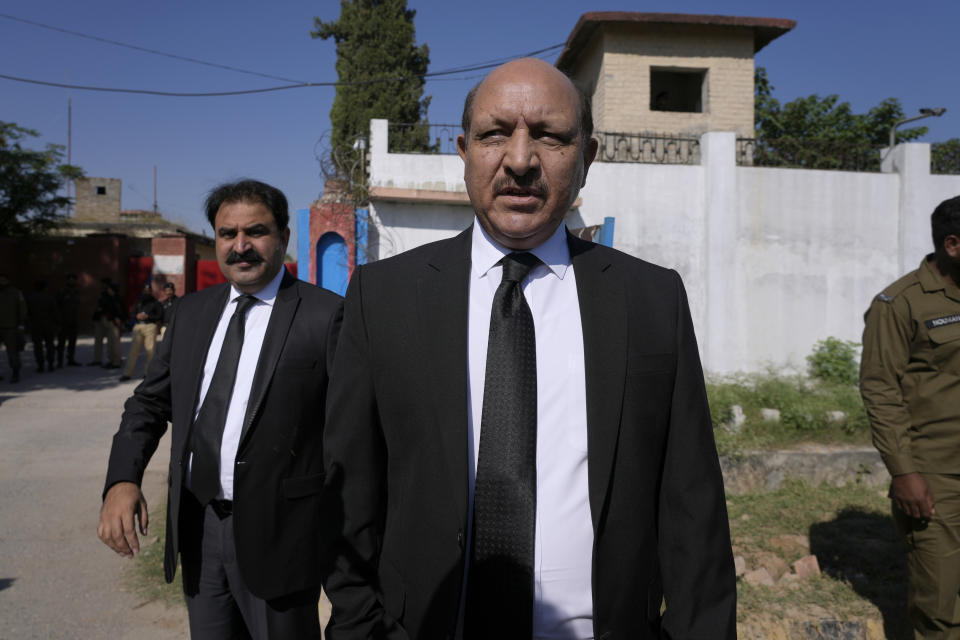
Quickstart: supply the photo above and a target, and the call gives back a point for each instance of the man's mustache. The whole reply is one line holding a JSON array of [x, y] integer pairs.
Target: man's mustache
[[534, 185], [250, 255]]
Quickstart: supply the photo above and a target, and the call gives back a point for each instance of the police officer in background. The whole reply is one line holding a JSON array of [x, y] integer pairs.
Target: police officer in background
[[169, 304], [910, 382], [44, 320], [68, 304]]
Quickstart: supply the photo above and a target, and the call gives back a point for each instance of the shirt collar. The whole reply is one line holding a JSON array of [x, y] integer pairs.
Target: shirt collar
[[266, 295], [486, 252]]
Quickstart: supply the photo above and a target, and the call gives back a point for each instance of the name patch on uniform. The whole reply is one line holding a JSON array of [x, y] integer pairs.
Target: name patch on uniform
[[941, 322]]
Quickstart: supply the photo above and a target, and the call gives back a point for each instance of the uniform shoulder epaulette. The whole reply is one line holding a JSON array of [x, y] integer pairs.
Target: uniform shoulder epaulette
[[898, 287]]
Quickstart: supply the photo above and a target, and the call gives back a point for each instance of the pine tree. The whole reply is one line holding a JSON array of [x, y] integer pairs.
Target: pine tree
[[376, 48]]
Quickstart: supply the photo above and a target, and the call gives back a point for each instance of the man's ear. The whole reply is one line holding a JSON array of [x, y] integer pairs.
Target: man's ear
[[951, 245], [462, 147], [589, 153]]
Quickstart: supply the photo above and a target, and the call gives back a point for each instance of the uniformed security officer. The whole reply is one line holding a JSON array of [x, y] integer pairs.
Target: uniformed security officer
[[910, 382]]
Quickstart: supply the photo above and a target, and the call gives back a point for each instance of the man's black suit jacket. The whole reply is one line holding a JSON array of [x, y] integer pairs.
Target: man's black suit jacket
[[395, 448], [279, 473]]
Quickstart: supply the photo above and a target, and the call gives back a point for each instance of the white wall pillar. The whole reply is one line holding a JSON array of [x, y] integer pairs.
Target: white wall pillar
[[379, 137], [911, 160], [719, 342]]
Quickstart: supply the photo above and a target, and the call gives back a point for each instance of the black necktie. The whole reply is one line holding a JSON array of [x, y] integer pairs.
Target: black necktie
[[500, 586], [208, 429]]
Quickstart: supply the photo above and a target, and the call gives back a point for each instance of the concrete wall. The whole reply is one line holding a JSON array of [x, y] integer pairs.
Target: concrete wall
[[773, 259], [621, 81], [90, 205]]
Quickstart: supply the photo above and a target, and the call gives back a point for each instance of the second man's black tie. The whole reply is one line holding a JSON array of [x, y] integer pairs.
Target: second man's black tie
[[500, 589], [207, 434]]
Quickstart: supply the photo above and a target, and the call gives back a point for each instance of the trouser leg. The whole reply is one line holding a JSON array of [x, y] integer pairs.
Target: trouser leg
[[48, 336], [211, 608], [149, 344], [37, 338], [12, 346], [66, 341], [134, 352], [217, 596], [61, 344], [113, 344], [99, 333], [933, 560]]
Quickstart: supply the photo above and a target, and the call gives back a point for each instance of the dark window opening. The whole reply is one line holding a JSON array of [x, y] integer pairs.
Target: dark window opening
[[677, 90], [101, 191]]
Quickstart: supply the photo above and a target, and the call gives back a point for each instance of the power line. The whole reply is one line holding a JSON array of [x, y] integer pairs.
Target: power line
[[146, 50], [473, 67], [299, 85]]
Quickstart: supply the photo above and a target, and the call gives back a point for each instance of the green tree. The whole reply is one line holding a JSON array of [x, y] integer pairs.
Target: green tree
[[376, 50], [822, 132], [945, 156], [29, 181]]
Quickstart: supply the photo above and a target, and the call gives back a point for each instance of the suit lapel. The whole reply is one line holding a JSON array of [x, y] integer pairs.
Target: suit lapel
[[284, 308], [443, 293], [603, 316], [199, 345]]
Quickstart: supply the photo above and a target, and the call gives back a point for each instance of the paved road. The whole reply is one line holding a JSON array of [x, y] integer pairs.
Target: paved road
[[57, 580]]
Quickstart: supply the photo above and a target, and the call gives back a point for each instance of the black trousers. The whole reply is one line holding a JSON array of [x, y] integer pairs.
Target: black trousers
[[43, 346], [219, 605], [67, 337], [10, 339]]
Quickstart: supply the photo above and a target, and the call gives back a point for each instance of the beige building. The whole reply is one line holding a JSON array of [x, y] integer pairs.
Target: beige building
[[98, 212], [668, 73]]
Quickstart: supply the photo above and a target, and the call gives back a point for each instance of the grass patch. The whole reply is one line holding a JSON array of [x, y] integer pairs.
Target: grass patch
[[804, 405], [146, 573], [849, 530]]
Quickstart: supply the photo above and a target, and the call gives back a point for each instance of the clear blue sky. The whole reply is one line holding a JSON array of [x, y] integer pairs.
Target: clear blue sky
[[863, 51]]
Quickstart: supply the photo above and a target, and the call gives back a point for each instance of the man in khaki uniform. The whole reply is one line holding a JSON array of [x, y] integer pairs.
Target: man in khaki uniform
[[910, 381]]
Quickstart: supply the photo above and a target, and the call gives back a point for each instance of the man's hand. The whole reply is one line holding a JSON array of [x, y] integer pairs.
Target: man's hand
[[142, 315], [912, 495], [123, 502]]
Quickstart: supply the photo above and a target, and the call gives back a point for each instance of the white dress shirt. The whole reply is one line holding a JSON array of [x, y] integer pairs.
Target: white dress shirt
[[563, 605], [254, 330]]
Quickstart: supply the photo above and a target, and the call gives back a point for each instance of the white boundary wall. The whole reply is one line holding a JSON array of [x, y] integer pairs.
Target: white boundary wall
[[773, 259]]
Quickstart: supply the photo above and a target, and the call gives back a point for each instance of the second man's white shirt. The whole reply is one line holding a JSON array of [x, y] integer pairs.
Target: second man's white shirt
[[254, 331]]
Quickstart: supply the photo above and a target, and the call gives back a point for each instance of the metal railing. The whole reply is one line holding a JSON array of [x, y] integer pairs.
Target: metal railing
[[808, 154], [647, 147], [422, 137]]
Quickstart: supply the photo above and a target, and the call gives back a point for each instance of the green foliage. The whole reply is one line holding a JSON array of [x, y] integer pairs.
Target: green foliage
[[29, 181], [822, 132], [945, 156], [805, 408], [834, 361], [376, 50]]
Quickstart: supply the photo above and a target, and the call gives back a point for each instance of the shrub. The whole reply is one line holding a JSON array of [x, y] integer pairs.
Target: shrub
[[835, 361]]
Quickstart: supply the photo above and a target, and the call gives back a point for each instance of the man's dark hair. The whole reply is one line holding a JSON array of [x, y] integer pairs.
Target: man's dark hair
[[249, 191], [945, 221], [586, 112]]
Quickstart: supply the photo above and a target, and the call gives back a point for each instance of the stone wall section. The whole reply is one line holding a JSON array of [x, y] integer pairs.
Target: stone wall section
[[91, 205], [622, 95]]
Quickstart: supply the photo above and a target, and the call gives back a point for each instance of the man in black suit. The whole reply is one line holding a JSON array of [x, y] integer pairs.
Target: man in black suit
[[242, 375], [522, 445]]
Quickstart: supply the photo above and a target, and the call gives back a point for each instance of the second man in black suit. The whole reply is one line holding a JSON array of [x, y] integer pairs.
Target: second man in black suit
[[242, 375]]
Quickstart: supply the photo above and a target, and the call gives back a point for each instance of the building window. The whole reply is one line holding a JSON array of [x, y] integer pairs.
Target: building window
[[677, 89], [101, 191]]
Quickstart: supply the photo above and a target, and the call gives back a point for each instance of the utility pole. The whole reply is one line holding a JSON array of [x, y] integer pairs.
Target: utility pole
[[154, 189]]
